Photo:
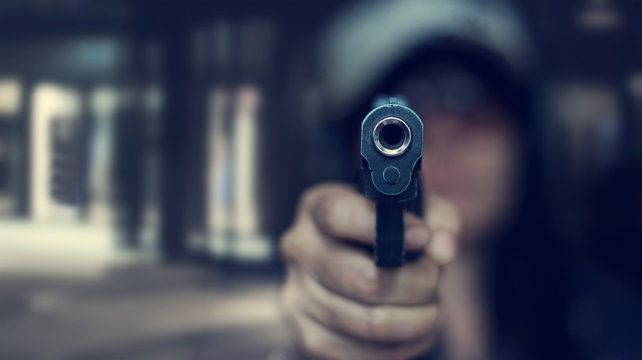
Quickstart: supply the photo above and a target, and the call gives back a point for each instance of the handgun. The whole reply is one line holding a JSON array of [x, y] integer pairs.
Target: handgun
[[391, 153]]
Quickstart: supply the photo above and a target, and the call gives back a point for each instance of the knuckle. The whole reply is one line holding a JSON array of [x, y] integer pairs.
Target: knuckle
[[297, 246], [379, 324], [308, 196], [368, 289], [287, 244], [329, 212], [289, 297], [311, 195]]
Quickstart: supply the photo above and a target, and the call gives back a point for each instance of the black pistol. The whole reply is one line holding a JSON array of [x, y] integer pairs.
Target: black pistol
[[391, 151]]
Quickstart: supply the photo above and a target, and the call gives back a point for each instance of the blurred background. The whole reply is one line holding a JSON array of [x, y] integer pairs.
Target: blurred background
[[151, 152]]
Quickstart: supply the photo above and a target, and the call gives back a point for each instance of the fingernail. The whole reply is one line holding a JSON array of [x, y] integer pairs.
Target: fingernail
[[442, 247], [417, 237]]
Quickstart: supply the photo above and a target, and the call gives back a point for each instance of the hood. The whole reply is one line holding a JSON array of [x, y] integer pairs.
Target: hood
[[364, 44]]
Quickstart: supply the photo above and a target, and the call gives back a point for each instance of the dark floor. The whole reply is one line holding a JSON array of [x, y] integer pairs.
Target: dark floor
[[140, 311]]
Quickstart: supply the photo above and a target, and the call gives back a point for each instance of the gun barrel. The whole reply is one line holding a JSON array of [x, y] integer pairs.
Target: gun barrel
[[392, 136], [391, 152]]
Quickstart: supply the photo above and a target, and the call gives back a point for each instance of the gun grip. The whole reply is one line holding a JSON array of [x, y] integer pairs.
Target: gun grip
[[389, 244]]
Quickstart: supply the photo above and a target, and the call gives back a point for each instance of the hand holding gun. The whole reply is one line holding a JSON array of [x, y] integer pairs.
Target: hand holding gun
[[341, 303]]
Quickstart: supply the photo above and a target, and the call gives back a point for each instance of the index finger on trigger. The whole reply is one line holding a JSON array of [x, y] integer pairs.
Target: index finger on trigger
[[444, 223]]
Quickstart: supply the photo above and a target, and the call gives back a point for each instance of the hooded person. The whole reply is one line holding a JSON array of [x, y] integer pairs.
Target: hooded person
[[468, 69]]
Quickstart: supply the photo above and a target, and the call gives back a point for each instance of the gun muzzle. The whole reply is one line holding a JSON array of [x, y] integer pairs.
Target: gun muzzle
[[392, 136]]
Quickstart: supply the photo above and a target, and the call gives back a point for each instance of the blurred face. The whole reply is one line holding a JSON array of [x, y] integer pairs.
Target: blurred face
[[470, 148]]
